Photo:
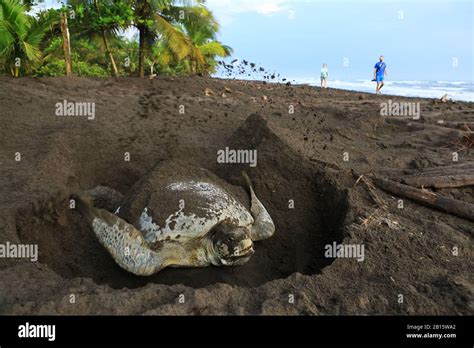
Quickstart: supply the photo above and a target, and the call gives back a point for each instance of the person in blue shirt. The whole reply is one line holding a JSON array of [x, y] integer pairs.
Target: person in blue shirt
[[380, 71]]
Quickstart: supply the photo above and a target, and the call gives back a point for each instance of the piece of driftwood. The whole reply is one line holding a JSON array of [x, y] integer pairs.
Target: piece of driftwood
[[459, 175], [454, 170], [439, 181], [452, 206], [371, 189]]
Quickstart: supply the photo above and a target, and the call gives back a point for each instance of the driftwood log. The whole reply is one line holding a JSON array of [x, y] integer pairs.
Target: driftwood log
[[452, 206], [458, 175], [444, 181]]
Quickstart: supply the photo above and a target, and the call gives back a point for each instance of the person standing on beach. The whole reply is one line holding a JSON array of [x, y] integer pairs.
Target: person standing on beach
[[324, 76], [380, 70]]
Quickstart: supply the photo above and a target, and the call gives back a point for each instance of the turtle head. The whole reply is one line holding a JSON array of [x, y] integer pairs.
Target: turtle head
[[231, 244]]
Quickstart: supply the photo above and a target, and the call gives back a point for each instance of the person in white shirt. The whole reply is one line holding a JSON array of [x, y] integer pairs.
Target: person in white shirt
[[324, 76]]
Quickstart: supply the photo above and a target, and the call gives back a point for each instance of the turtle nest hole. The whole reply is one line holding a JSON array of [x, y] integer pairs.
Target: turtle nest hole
[[282, 178], [68, 246]]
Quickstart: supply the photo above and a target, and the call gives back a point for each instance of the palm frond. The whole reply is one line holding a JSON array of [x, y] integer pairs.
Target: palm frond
[[21, 34], [31, 52], [177, 41], [198, 21], [215, 48]]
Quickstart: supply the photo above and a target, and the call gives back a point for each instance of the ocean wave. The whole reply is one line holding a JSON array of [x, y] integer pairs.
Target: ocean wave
[[457, 90]]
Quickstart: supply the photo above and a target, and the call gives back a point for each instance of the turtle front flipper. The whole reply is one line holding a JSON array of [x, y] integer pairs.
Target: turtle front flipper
[[263, 226], [123, 241]]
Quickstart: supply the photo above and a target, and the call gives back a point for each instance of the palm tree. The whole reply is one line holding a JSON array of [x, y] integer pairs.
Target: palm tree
[[200, 26], [101, 20], [21, 36], [153, 23], [113, 28]]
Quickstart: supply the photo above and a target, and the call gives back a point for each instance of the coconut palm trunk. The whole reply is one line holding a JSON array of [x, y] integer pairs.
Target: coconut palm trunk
[[109, 53], [142, 52], [66, 44], [106, 45]]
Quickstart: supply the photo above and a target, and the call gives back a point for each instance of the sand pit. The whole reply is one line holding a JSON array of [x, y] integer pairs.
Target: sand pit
[[298, 247], [302, 177]]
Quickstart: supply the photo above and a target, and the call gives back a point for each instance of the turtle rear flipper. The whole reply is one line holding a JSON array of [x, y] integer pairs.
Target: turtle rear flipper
[[123, 241], [263, 226]]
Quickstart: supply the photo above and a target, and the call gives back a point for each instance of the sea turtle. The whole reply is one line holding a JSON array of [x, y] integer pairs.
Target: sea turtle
[[179, 216]]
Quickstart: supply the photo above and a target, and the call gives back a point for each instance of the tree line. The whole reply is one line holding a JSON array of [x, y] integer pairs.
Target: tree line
[[109, 38]]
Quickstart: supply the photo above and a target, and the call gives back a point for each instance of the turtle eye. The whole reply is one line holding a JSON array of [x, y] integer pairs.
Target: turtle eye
[[230, 239]]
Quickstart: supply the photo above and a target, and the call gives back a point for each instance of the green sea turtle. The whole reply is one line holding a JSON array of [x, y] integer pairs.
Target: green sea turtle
[[178, 216]]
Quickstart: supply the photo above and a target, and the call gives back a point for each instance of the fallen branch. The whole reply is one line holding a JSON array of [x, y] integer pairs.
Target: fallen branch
[[444, 181], [454, 170], [436, 177], [372, 192], [459, 208]]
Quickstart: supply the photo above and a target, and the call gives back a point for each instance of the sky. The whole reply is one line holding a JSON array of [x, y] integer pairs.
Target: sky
[[420, 39]]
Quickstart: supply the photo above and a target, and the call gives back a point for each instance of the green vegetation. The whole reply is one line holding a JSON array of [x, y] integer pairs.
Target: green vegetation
[[170, 37]]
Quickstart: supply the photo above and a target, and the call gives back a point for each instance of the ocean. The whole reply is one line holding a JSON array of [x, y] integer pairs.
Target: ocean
[[456, 90]]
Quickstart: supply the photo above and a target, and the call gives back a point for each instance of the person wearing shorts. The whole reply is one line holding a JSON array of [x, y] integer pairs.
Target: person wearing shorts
[[324, 76], [380, 71]]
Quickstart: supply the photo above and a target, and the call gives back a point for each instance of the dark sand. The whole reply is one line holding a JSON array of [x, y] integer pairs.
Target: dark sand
[[300, 157]]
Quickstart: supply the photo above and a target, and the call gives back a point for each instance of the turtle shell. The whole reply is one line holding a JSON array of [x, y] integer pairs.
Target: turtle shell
[[178, 201]]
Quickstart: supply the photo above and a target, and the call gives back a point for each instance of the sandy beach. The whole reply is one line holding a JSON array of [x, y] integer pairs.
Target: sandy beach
[[313, 157]]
